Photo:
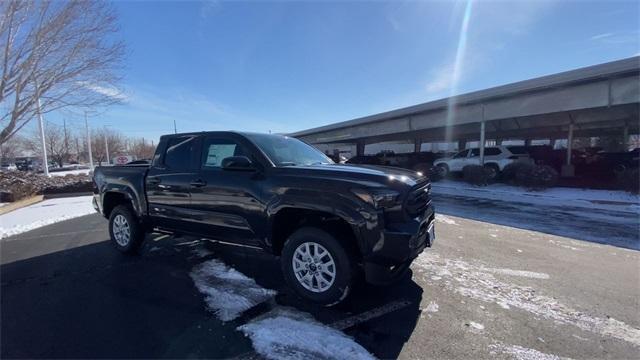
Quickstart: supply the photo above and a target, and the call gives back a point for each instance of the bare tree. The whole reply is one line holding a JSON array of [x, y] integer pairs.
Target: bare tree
[[61, 52], [141, 148], [54, 136], [114, 139], [12, 148]]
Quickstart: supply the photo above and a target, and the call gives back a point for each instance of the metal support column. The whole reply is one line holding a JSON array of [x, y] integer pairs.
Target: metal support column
[[360, 148], [569, 144], [417, 145], [568, 170], [482, 141], [625, 137]]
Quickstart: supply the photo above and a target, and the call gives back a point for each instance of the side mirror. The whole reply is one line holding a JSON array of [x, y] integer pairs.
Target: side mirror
[[237, 163]]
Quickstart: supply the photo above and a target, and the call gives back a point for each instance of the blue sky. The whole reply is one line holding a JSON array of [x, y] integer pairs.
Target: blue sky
[[287, 66]]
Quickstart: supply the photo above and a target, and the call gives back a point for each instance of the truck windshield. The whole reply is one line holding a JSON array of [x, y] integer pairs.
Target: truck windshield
[[288, 151]]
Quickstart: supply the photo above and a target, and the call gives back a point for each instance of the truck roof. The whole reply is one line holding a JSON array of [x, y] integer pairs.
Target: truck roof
[[243, 133]]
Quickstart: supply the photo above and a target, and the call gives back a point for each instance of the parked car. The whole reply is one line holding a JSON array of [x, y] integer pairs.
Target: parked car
[[7, 166], [495, 159], [328, 222], [364, 159]]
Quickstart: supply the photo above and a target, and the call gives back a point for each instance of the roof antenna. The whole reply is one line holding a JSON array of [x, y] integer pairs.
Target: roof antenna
[[175, 129]]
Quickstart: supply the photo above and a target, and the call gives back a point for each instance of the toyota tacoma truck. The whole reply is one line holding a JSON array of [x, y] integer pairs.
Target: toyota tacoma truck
[[329, 223]]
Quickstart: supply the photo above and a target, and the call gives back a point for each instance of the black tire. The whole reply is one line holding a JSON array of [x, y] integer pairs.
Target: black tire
[[443, 170], [344, 266], [136, 232], [493, 171]]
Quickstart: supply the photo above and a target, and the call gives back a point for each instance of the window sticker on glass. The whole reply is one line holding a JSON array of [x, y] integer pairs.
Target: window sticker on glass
[[217, 153]]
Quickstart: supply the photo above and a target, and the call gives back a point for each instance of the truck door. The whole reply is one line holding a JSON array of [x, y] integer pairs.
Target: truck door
[[227, 202], [168, 183]]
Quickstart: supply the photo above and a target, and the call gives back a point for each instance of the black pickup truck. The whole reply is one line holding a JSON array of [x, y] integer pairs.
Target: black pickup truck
[[327, 222]]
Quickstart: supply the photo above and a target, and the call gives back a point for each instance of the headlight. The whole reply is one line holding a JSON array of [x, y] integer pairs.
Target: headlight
[[377, 198]]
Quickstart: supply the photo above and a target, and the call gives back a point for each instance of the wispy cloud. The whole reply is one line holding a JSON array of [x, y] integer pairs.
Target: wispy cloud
[[619, 37], [108, 91]]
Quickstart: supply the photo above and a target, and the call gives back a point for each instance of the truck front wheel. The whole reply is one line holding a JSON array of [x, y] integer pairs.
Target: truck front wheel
[[317, 266], [125, 230]]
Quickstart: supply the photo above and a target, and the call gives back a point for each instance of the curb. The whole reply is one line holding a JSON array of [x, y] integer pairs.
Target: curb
[[20, 204]]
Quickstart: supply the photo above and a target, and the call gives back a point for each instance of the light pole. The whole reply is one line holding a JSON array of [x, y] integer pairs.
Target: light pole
[[86, 124], [106, 145], [45, 163]]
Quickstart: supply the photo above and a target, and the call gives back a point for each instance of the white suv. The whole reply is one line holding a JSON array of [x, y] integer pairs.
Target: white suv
[[495, 159]]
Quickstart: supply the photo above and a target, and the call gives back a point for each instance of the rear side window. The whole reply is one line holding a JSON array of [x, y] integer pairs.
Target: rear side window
[[487, 152], [518, 150], [216, 150], [178, 154]]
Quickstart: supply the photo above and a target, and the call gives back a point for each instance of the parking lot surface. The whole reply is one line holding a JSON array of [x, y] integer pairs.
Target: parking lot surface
[[483, 291]]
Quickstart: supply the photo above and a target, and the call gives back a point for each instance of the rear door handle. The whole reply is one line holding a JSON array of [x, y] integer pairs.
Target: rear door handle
[[198, 183]]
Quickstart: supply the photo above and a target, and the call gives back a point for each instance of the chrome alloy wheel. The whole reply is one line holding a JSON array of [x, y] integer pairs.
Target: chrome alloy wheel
[[313, 267], [121, 230]]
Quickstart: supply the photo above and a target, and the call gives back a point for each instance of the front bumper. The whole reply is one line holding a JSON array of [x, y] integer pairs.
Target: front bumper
[[399, 245]]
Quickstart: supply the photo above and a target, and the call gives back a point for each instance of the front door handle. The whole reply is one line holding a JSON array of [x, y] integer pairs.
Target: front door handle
[[198, 183]]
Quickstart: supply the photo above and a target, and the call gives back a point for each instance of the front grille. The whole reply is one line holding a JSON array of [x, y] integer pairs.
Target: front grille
[[418, 199]]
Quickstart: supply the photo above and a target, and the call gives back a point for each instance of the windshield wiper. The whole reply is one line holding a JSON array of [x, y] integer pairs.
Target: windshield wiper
[[287, 163]]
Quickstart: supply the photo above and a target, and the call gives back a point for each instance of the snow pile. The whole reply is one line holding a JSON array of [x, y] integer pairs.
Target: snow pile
[[228, 293], [70, 172], [583, 198], [521, 353], [44, 213], [478, 282], [285, 333]]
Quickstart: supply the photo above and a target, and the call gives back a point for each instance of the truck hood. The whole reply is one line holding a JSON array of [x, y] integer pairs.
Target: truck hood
[[386, 175]]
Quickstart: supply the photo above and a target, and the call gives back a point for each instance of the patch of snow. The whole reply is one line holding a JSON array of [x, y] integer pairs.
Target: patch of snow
[[432, 307], [518, 250], [493, 235], [70, 172], [44, 213], [478, 282], [285, 333], [445, 219], [521, 353], [476, 325], [522, 273], [228, 293]]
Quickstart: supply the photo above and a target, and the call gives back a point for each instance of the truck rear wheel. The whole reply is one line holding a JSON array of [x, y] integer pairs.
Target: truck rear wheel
[[125, 230], [317, 266]]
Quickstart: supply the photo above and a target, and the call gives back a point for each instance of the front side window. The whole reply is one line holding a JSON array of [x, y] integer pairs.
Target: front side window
[[461, 154], [178, 154], [288, 151], [216, 150]]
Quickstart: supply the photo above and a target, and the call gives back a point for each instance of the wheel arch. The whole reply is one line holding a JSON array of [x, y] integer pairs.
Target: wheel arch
[[287, 220]]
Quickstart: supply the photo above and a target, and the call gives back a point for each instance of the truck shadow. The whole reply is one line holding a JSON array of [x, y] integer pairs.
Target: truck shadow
[[89, 301], [381, 319]]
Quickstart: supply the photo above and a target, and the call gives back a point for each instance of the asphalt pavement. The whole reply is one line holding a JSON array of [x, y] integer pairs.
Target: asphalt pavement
[[483, 291]]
